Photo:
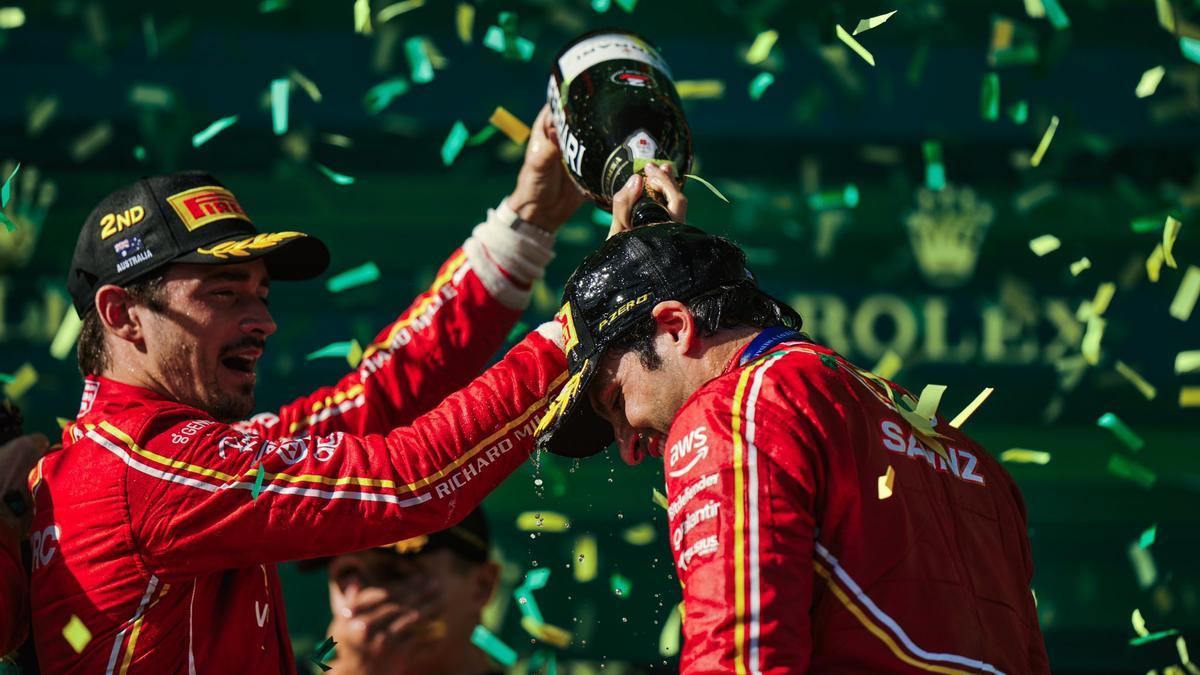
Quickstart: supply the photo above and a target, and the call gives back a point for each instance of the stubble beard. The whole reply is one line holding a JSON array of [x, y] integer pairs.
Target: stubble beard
[[224, 406]]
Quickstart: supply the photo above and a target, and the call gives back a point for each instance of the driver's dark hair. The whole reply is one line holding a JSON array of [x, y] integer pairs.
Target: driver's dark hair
[[741, 305], [90, 350]]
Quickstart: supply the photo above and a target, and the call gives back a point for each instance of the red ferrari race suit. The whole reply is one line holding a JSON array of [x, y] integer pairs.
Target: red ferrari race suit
[[158, 528], [14, 594], [814, 531]]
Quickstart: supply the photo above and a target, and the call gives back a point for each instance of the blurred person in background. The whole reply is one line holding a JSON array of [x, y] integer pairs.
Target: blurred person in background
[[162, 517], [412, 606], [817, 521], [17, 458]]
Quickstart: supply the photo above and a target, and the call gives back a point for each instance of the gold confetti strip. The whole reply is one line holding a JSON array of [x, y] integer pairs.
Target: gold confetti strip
[[873, 22], [584, 564], [77, 634], [886, 483], [658, 497], [1002, 34], [1044, 244], [1023, 456], [931, 398], [362, 17], [1154, 264], [393, 11], [1166, 15], [1104, 295], [1186, 362], [63, 422], [551, 635], [1143, 565], [1149, 82], [889, 364], [464, 20], [22, 381], [1080, 265], [695, 89], [307, 85], [91, 141], [1137, 380], [668, 639], [1139, 623], [1189, 397], [966, 413], [67, 335], [545, 521], [1185, 296], [761, 49], [640, 535], [1181, 647], [1170, 233], [1091, 340], [853, 44], [508, 123], [1045, 144]]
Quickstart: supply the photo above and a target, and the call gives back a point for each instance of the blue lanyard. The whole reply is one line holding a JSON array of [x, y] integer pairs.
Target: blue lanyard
[[764, 341]]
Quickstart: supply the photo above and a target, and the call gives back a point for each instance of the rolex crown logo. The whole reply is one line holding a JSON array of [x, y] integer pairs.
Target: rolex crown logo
[[946, 231]]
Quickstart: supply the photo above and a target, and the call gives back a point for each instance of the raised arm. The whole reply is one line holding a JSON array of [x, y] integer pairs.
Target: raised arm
[[225, 499]]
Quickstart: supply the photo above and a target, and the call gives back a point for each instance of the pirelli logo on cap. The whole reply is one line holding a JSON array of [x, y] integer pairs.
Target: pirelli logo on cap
[[200, 206]]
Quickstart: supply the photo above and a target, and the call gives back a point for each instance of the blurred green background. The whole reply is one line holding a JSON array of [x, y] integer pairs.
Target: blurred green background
[[97, 94]]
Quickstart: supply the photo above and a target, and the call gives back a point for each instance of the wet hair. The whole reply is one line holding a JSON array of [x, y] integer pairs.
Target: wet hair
[[91, 350], [742, 305]]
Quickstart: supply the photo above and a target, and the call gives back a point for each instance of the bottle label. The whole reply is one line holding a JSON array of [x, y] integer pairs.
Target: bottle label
[[607, 47]]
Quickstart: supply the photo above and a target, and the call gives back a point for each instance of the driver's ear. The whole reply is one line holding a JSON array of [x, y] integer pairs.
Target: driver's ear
[[676, 323], [117, 313]]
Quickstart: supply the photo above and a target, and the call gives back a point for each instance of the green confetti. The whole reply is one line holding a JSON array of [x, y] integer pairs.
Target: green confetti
[[1148, 537], [536, 579], [5, 378], [658, 498], [322, 652], [420, 67], [139, 153], [1019, 112], [482, 136], [829, 362], [518, 331], [845, 198], [212, 130], [527, 603], [627, 5], [620, 585], [601, 217], [601, 6], [1147, 223], [1127, 468], [506, 41], [1023, 55], [268, 6], [339, 178], [758, 86], [258, 481], [711, 188], [381, 95], [989, 97], [493, 646], [545, 658], [454, 142], [356, 276], [279, 104], [1054, 12], [935, 171], [1190, 48], [6, 190], [8, 224], [1152, 637], [334, 350], [1114, 424]]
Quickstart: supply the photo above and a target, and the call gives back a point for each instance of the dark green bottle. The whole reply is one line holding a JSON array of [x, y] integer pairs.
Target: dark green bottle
[[615, 109]]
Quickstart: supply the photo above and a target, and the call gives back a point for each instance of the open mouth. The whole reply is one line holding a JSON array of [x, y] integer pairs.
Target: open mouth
[[638, 445], [241, 364]]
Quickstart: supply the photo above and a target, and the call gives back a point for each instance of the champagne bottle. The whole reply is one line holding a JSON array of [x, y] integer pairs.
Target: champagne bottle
[[615, 109]]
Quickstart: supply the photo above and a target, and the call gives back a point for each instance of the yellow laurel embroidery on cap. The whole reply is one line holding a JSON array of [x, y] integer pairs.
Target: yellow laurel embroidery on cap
[[411, 545], [242, 247], [200, 206]]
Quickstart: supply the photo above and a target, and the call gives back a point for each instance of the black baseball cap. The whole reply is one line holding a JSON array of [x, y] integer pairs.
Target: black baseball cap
[[611, 292], [469, 540], [185, 217]]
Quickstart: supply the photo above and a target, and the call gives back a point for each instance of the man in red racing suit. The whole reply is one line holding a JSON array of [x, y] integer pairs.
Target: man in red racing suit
[[157, 526], [820, 519]]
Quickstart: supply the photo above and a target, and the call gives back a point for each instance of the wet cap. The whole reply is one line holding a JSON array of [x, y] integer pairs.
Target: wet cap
[[469, 540], [186, 217], [613, 291]]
